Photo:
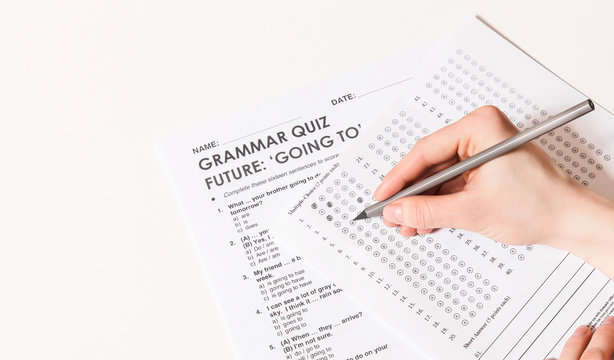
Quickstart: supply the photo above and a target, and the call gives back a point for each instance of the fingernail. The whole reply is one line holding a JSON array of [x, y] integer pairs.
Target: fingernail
[[609, 320], [582, 330], [393, 213]]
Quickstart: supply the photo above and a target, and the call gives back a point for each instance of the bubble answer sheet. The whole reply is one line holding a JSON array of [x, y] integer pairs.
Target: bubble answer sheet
[[452, 293], [233, 175]]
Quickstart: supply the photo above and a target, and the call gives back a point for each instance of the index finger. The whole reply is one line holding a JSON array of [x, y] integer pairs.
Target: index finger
[[601, 345]]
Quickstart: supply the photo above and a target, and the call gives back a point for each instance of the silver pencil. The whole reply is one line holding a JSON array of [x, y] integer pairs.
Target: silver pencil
[[482, 157]]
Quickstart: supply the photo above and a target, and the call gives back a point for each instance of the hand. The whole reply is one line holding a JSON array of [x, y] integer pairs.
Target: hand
[[507, 199], [584, 345], [519, 198]]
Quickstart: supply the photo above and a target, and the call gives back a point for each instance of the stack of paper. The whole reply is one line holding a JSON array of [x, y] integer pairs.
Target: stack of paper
[[269, 201]]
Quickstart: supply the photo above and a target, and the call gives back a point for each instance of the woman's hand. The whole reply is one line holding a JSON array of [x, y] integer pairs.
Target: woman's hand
[[519, 198], [584, 345]]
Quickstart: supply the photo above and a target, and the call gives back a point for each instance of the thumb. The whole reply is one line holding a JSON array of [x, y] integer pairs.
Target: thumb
[[429, 211]]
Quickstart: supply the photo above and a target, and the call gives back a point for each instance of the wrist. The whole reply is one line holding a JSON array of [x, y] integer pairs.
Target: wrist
[[586, 227]]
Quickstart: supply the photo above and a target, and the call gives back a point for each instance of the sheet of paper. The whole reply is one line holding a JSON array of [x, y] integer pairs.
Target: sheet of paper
[[453, 293], [232, 176]]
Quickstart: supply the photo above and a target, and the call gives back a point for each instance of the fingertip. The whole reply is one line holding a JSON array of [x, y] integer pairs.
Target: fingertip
[[576, 344], [424, 231], [607, 326], [582, 331], [380, 192]]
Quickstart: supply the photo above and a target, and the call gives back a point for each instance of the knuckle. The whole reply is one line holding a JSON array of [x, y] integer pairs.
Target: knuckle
[[488, 112], [417, 148], [490, 117], [417, 153]]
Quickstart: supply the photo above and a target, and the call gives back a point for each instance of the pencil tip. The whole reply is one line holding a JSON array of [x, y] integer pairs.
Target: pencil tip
[[362, 215]]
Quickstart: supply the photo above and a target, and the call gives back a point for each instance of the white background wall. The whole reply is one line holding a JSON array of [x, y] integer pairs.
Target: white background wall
[[95, 260]]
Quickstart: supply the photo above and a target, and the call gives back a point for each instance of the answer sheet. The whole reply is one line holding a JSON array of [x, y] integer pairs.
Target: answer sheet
[[235, 174], [452, 293]]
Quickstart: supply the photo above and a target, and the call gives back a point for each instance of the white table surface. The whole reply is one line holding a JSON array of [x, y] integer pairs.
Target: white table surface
[[95, 260]]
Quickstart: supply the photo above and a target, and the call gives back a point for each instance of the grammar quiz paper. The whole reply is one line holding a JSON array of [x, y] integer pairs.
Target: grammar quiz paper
[[234, 175], [452, 293]]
